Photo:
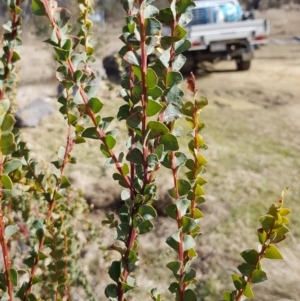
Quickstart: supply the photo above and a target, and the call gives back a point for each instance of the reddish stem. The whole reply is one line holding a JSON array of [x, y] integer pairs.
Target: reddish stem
[[14, 33], [3, 242], [5, 252]]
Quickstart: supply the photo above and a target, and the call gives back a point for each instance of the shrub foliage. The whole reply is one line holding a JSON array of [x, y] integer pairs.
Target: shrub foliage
[[40, 209]]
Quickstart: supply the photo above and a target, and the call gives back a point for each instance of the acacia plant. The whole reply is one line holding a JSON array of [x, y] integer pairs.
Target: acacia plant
[[39, 208]]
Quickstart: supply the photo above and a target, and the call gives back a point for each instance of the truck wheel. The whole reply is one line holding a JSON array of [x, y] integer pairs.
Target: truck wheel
[[243, 65], [190, 64]]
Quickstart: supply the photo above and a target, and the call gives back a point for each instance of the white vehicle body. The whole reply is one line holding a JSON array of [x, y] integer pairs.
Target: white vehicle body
[[221, 40]]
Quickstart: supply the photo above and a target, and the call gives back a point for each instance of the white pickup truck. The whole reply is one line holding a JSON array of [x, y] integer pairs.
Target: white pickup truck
[[224, 37]]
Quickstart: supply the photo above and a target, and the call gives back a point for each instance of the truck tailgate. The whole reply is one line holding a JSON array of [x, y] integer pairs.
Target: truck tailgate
[[255, 31]]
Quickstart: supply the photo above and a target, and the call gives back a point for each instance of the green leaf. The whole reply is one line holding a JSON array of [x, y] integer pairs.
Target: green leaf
[[95, 105], [174, 95], [189, 295], [237, 281], [250, 256], [29, 261], [110, 141], [91, 92], [61, 54], [151, 11], [182, 206], [189, 274], [135, 156], [173, 78], [147, 212], [273, 253], [105, 122], [153, 26], [201, 101], [77, 75], [188, 109], [91, 133], [169, 142], [135, 120], [124, 112], [65, 182], [180, 159], [248, 291], [182, 45], [172, 112], [42, 256], [174, 288], [105, 151], [36, 279], [78, 98], [6, 182], [171, 211], [188, 242], [115, 271], [175, 267], [173, 240], [179, 32], [61, 16], [184, 5], [13, 276], [7, 143], [166, 16], [125, 169], [57, 196], [136, 93], [10, 231], [153, 108], [228, 296], [156, 129], [132, 58], [111, 292], [267, 222], [151, 41], [188, 224], [137, 72], [151, 78], [8, 123], [258, 276], [122, 232], [246, 269], [145, 227], [126, 287], [184, 186], [38, 8], [155, 93], [281, 230], [178, 62], [133, 260], [198, 214], [284, 211], [262, 235]]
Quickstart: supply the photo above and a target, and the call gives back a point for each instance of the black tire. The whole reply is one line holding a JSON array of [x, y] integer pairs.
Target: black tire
[[243, 65], [190, 64]]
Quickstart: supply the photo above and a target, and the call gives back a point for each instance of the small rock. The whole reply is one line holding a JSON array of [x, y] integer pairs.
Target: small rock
[[32, 114]]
